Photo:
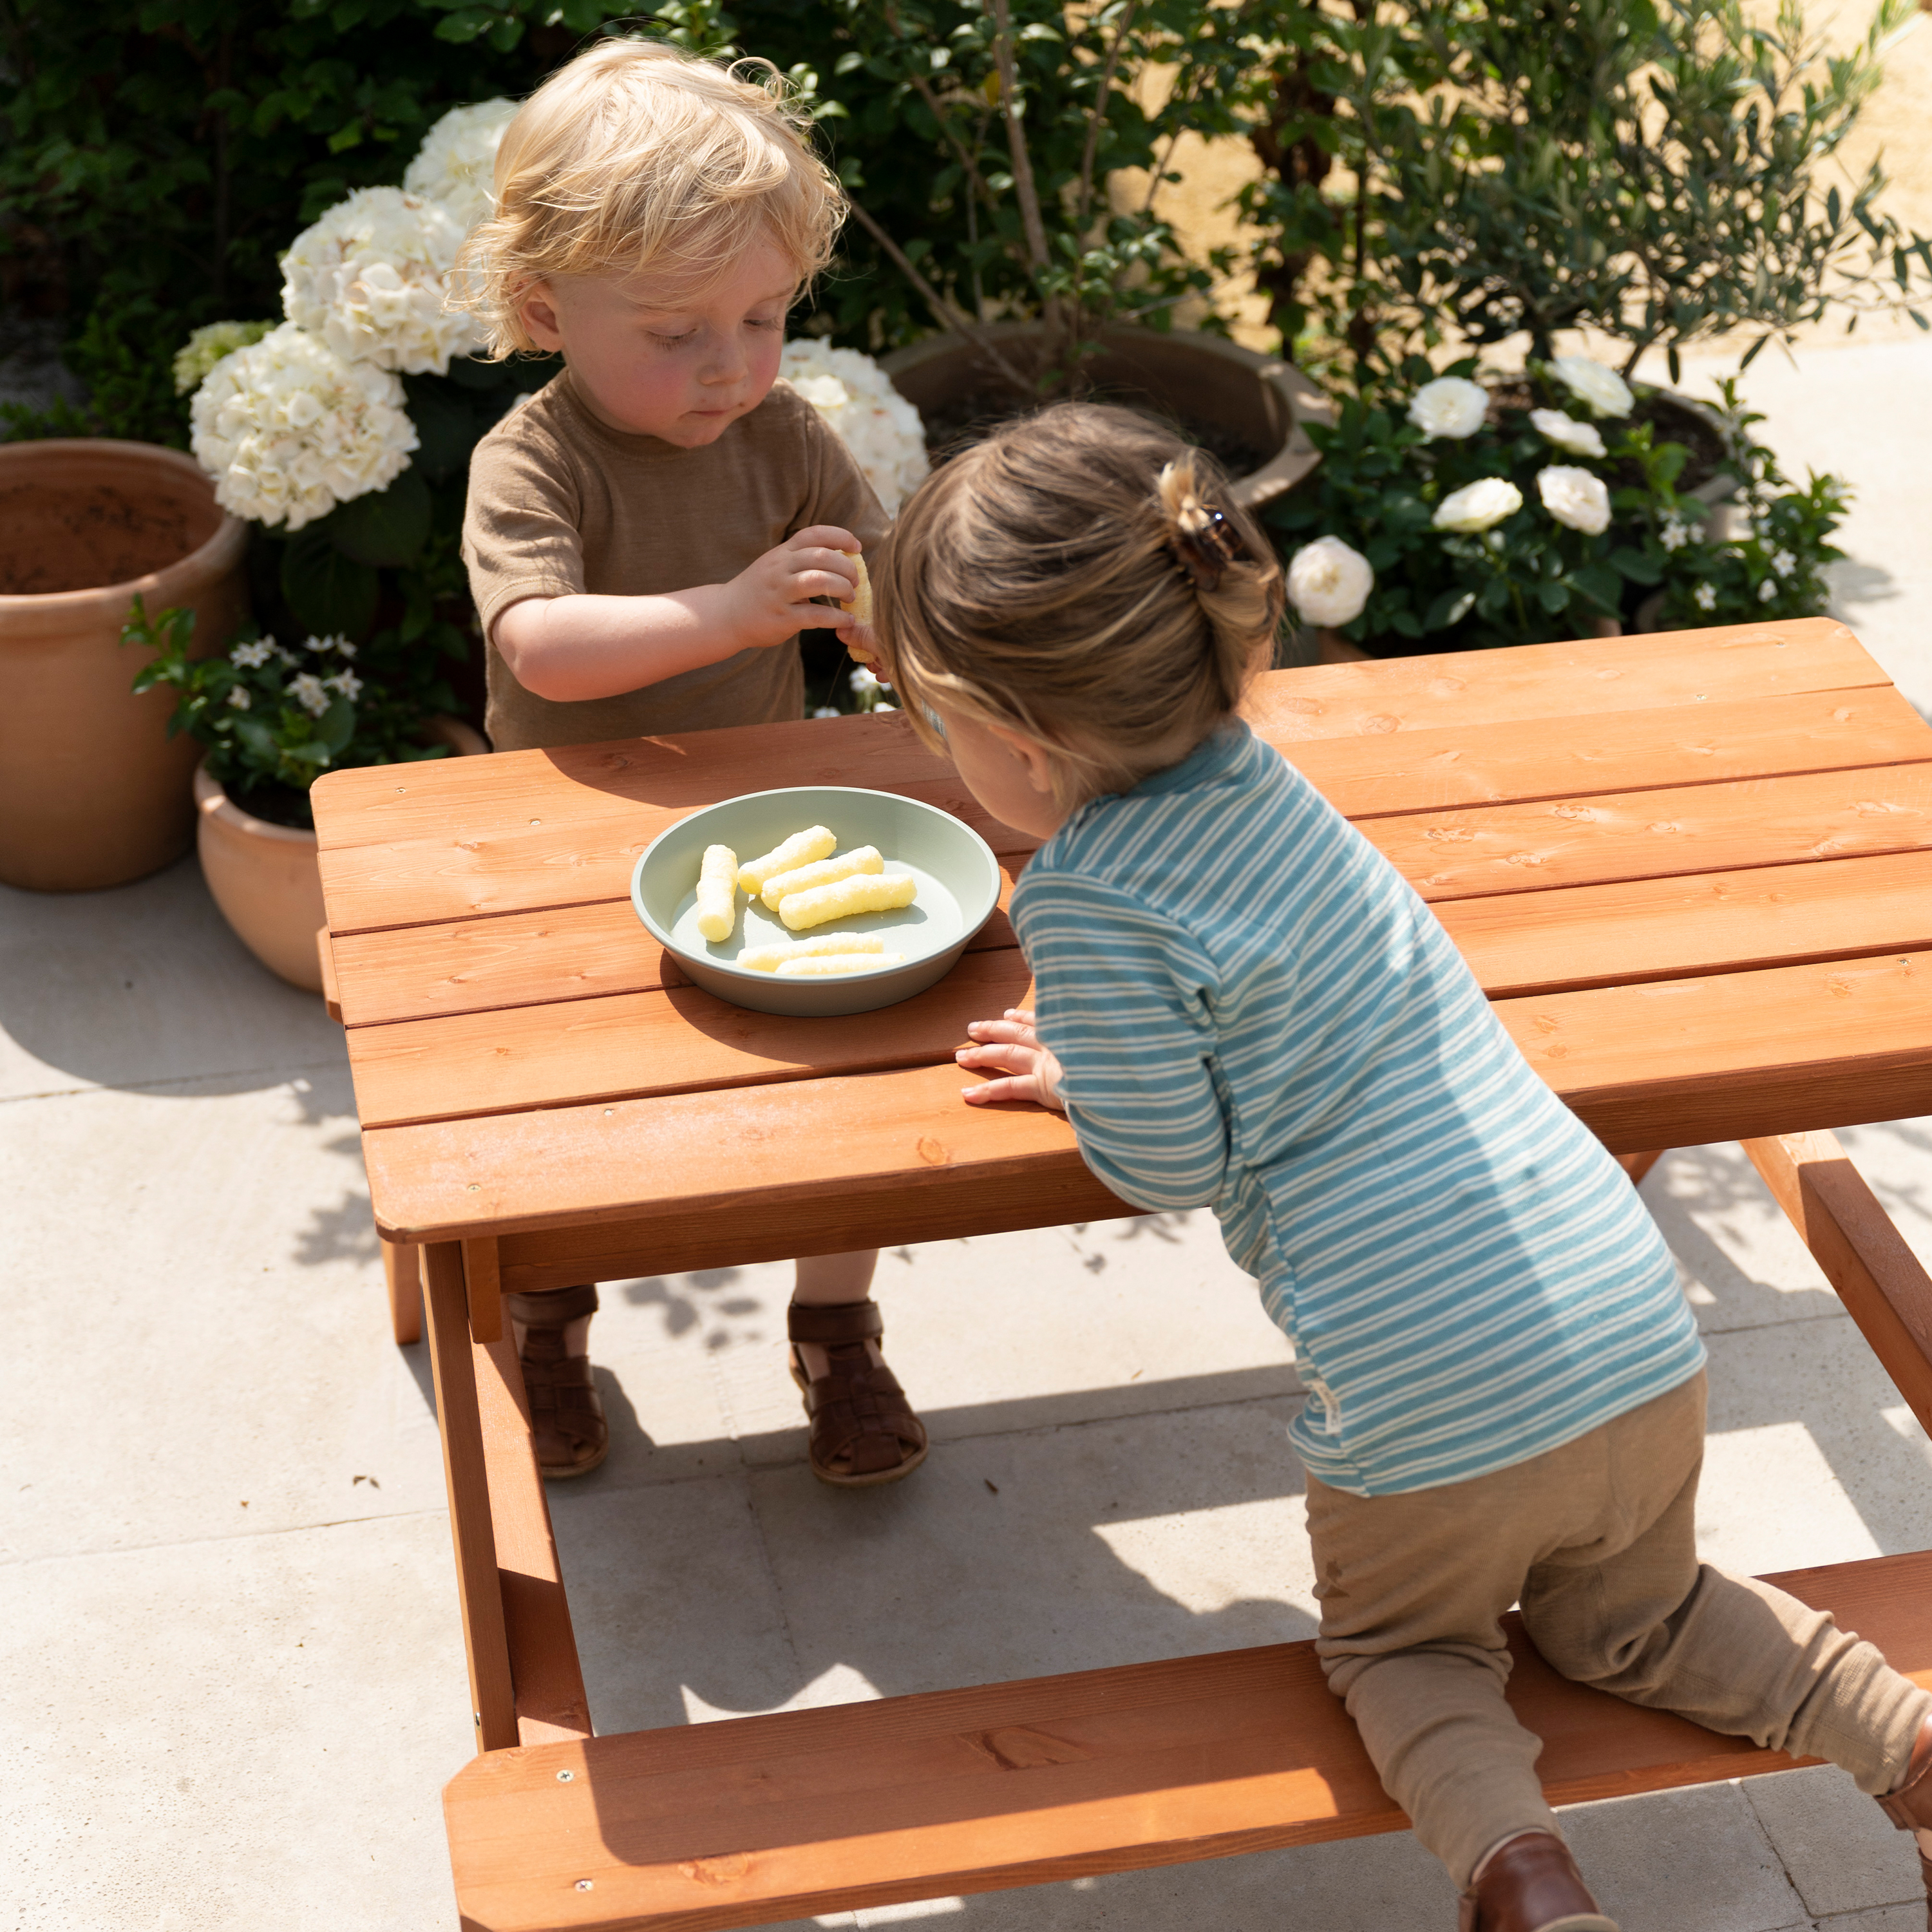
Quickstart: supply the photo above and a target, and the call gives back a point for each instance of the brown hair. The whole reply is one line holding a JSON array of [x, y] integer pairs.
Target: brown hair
[[1084, 577], [639, 159]]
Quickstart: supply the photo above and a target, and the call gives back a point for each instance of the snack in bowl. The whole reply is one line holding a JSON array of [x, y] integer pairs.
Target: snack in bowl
[[781, 885], [863, 892], [717, 893], [800, 849], [769, 958], [829, 965]]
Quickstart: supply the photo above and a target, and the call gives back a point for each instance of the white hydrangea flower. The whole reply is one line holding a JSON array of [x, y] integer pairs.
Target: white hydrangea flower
[[1575, 497], [864, 680], [1675, 534], [369, 279], [881, 429], [238, 696], [1450, 405], [306, 688], [1784, 562], [1329, 582], [1574, 438], [1767, 590], [1704, 597], [1479, 506], [208, 345], [252, 657], [457, 161], [347, 682], [1605, 392], [288, 430]]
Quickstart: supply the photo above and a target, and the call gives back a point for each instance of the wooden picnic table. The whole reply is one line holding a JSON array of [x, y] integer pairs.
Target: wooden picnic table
[[1693, 871]]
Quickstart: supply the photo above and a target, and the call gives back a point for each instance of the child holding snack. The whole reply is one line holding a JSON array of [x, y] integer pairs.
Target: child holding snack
[[646, 534], [1240, 1003]]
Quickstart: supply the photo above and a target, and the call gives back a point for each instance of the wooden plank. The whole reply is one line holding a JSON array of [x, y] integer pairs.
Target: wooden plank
[[627, 1045], [813, 1812], [570, 952], [1560, 681], [861, 1153], [492, 1696], [547, 1678], [331, 988], [1603, 837], [1483, 762], [1680, 1062], [402, 1269], [1882, 1282], [1624, 934], [483, 1288]]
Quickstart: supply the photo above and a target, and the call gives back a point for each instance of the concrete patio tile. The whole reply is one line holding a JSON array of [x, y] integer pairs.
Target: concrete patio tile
[[1885, 1918], [1020, 1555], [237, 1733], [220, 1276], [1840, 1849], [142, 985]]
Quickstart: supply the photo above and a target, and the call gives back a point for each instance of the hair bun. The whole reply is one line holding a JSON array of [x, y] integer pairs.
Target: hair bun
[[1205, 543]]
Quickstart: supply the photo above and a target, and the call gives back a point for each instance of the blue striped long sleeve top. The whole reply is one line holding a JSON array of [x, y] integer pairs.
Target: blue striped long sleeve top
[[1253, 1012]]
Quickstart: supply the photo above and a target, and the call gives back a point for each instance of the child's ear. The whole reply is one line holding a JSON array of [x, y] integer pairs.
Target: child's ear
[[1034, 756], [536, 309]]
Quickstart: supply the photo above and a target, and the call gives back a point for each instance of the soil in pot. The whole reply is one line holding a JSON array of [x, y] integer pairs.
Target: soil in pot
[[75, 537], [1670, 419]]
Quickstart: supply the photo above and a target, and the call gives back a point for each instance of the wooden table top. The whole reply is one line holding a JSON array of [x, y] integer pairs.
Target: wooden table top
[[1694, 870]]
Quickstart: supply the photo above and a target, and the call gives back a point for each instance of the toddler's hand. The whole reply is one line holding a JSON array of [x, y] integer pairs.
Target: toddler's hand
[[771, 599], [1012, 1048]]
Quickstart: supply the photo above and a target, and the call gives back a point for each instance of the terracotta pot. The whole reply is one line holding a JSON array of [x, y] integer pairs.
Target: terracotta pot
[[265, 877], [1260, 398], [92, 793]]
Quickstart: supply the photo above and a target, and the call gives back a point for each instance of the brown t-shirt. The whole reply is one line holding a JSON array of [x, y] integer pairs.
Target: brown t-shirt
[[560, 502]]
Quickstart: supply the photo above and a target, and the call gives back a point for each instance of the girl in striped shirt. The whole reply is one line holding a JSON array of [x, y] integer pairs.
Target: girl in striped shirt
[[1240, 1004]]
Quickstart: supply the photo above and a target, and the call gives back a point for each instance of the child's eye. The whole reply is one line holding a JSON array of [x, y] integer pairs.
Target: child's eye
[[673, 341], [753, 322]]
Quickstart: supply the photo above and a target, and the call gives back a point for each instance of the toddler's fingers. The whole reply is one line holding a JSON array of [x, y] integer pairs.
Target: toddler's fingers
[[1003, 1057], [989, 1091], [1009, 1029], [827, 536], [819, 583]]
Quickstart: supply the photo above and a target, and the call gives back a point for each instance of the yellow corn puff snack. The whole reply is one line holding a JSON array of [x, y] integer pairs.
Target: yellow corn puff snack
[[800, 849], [781, 885], [861, 605], [864, 892], [769, 958], [830, 965], [717, 893]]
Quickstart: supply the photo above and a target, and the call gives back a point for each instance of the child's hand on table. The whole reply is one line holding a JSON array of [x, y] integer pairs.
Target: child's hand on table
[[772, 598], [1011, 1048]]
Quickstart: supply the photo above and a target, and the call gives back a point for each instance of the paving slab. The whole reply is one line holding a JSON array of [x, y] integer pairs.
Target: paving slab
[[1843, 1852]]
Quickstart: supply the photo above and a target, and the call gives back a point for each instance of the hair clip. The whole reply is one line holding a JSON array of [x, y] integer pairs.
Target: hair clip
[[1205, 550]]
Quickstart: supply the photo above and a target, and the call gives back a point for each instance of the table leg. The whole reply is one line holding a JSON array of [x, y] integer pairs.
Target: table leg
[[479, 1591], [484, 1287], [1636, 1165], [402, 1264]]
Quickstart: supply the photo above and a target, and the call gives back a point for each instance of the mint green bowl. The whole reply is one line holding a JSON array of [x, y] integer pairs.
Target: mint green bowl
[[959, 887]]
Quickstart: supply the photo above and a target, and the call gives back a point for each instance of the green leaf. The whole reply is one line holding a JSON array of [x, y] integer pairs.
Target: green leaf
[[1601, 585], [385, 529], [1635, 565], [1553, 596], [337, 725], [328, 592]]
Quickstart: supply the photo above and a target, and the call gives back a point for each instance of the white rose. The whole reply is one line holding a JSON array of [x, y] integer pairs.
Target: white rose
[[1450, 405], [1328, 583], [1575, 497], [288, 429], [369, 279], [1577, 439], [457, 162], [856, 397], [1606, 392], [1479, 506]]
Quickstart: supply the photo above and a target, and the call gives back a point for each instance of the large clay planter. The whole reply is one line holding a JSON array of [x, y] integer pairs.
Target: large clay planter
[[265, 877], [1260, 398], [92, 793]]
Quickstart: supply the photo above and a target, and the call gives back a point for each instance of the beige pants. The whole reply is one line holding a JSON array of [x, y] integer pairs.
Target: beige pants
[[1597, 1540]]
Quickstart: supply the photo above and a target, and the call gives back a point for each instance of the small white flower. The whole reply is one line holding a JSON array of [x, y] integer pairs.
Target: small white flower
[[1605, 392], [1450, 405], [1575, 497], [1328, 582], [828, 711], [1675, 534], [306, 688], [1704, 597], [1767, 590], [457, 160], [856, 397], [250, 657], [1784, 563], [877, 708], [1479, 506], [238, 696], [864, 680], [286, 657], [345, 647], [1577, 439], [320, 645], [347, 682]]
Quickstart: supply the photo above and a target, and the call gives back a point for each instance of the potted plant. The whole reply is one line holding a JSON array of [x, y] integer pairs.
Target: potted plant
[[91, 792], [270, 720]]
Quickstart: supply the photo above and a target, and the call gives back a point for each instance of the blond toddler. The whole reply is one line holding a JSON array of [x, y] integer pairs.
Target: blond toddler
[[646, 535]]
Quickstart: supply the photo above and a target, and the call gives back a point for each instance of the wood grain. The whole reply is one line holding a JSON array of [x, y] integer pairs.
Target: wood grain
[[1601, 837], [765, 1819], [570, 952], [1707, 922], [402, 1270], [483, 1288], [1885, 1288], [479, 1595], [622, 1046]]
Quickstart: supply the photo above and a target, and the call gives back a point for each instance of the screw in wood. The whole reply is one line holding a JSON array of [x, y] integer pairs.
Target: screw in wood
[[585, 1884], [564, 1777]]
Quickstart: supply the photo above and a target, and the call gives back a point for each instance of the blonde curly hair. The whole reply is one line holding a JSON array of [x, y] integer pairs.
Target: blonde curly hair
[[638, 159]]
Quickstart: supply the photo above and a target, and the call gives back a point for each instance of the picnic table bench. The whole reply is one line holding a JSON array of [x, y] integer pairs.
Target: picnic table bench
[[1693, 873]]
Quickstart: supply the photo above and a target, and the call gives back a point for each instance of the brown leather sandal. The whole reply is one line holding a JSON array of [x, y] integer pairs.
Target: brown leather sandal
[[863, 1430], [566, 1411]]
